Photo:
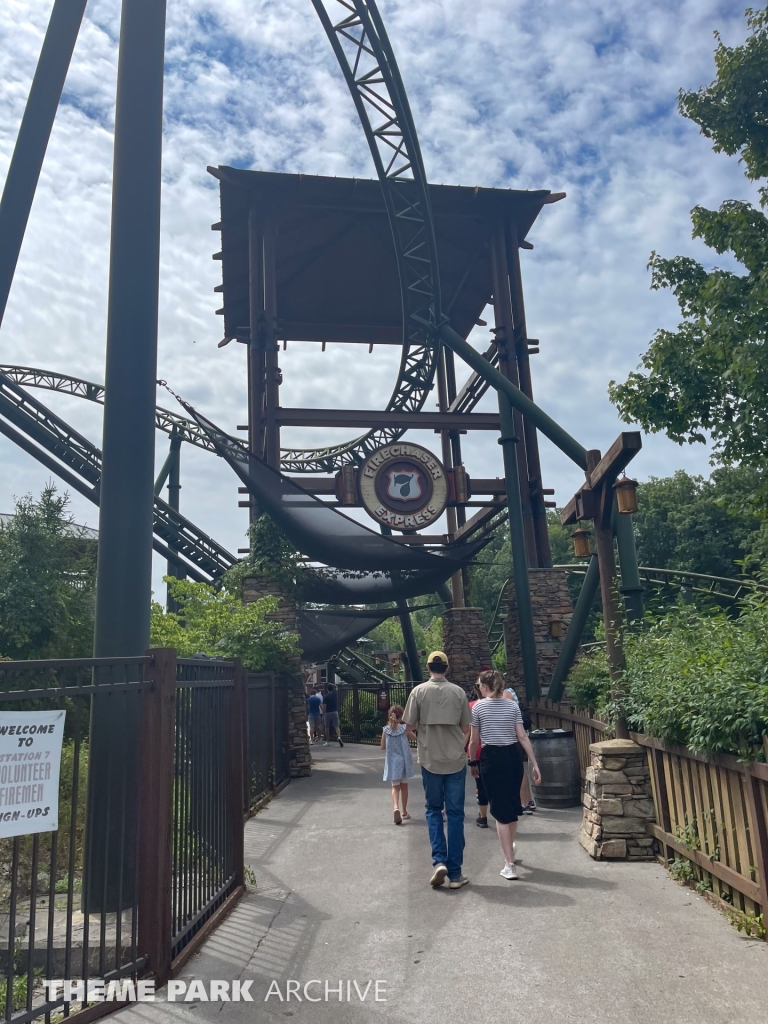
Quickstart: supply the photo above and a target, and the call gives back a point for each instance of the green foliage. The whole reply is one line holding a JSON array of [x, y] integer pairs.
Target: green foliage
[[217, 623], [750, 924], [682, 870], [694, 678], [708, 526], [47, 581], [388, 636], [589, 683], [710, 376]]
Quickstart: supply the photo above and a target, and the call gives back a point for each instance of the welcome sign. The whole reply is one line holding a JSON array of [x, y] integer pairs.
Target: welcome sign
[[30, 765]]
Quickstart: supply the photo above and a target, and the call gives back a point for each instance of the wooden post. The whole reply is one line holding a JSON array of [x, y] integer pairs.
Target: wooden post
[[758, 833], [608, 590], [157, 741], [457, 582], [235, 750]]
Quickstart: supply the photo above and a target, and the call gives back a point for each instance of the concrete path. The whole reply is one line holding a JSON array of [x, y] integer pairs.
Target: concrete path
[[343, 895]]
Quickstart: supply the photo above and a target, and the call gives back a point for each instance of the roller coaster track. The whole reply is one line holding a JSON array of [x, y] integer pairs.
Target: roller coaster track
[[721, 587], [354, 669], [359, 40], [49, 439], [64, 384]]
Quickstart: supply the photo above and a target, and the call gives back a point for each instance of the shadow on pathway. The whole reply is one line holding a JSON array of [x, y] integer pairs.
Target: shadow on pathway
[[343, 896]]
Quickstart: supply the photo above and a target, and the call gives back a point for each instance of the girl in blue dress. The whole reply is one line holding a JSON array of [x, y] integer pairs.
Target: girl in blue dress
[[398, 764]]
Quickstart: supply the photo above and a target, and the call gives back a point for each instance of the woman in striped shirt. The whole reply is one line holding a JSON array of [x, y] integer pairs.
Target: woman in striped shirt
[[499, 724]]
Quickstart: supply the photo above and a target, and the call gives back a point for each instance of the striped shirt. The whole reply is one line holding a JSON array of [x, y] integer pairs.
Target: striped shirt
[[496, 718]]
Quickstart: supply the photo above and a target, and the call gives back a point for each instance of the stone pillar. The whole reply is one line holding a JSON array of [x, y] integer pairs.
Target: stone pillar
[[552, 610], [618, 803], [465, 643], [255, 587]]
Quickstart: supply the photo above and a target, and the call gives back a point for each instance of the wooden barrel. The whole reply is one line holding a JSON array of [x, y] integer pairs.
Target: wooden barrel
[[559, 764]]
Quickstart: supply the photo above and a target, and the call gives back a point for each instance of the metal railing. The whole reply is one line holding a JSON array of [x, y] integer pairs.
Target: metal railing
[[267, 761], [204, 870], [68, 907], [363, 709], [160, 758]]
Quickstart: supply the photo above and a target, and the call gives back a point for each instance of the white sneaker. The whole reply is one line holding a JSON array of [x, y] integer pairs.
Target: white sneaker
[[325, 743], [509, 871]]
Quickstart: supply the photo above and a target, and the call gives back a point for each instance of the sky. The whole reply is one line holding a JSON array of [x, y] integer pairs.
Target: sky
[[575, 96]]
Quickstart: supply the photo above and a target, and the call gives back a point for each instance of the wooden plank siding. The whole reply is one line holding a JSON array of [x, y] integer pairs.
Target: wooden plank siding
[[716, 804]]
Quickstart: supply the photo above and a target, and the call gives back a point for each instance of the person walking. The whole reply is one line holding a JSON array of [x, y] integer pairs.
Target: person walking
[[498, 723], [526, 797], [482, 800], [438, 713], [398, 763], [331, 713], [314, 712]]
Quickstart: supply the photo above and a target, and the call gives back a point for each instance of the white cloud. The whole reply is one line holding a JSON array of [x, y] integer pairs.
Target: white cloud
[[569, 95]]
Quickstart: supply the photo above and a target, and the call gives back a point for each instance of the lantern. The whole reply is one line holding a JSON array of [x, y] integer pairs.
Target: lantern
[[581, 546], [626, 495]]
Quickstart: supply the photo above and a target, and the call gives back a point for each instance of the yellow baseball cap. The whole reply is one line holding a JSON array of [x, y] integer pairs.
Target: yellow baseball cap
[[437, 656]]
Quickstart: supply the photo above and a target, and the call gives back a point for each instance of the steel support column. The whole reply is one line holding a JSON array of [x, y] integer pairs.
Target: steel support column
[[446, 451], [538, 509], [125, 518], [508, 365], [631, 587], [508, 441], [575, 631], [34, 132], [255, 352], [269, 342], [409, 641]]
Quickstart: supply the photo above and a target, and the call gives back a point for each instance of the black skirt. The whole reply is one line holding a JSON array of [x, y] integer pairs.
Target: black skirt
[[501, 770]]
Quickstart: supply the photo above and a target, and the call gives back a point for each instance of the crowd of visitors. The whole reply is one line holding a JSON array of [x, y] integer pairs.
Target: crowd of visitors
[[488, 735], [323, 715]]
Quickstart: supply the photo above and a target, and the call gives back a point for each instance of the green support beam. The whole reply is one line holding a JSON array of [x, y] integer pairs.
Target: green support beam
[[507, 441]]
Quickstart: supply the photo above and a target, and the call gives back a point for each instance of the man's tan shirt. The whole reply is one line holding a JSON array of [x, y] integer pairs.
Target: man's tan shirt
[[438, 709]]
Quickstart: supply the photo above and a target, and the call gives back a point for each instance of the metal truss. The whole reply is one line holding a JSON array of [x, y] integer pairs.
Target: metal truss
[[365, 56], [64, 451], [169, 422]]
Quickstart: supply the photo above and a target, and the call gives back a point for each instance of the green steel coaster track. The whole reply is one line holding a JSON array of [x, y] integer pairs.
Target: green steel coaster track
[[361, 46], [723, 588]]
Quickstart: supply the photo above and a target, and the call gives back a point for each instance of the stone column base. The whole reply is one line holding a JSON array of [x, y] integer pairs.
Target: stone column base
[[552, 611], [618, 803], [465, 643], [300, 758]]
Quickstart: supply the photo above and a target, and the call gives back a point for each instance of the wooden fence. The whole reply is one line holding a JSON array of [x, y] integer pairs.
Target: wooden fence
[[710, 810]]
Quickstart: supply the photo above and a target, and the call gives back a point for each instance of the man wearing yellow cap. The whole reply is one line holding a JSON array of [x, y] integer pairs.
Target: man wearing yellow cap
[[439, 714]]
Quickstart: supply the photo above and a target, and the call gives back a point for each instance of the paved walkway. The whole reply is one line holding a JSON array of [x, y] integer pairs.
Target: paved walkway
[[343, 894]]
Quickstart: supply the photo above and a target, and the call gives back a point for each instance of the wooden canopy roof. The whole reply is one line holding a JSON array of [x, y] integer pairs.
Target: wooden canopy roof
[[336, 273]]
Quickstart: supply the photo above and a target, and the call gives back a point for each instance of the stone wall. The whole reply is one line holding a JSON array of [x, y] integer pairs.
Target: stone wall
[[465, 643], [618, 803], [552, 611], [255, 587]]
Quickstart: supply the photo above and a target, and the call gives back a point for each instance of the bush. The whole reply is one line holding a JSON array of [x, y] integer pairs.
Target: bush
[[693, 678]]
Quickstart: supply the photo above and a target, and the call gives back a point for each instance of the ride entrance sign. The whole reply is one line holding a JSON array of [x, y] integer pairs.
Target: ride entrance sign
[[30, 763], [403, 486]]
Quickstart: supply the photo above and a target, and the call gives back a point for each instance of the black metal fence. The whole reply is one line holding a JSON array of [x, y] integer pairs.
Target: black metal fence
[[204, 818], [268, 765], [363, 709], [68, 898], [149, 849]]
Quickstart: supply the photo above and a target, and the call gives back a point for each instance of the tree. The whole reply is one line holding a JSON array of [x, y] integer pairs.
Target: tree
[[217, 623], [47, 581], [708, 526], [710, 376]]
